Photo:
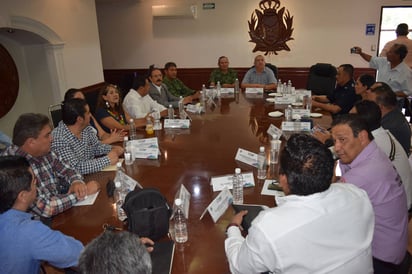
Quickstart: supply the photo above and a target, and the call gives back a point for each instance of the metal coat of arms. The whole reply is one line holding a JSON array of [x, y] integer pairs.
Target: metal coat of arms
[[270, 29]]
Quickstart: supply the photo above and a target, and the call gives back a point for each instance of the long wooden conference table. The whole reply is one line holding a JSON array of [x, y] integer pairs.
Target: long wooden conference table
[[191, 157]]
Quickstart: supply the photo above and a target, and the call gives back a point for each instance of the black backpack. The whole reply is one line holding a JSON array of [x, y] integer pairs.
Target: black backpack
[[147, 213]]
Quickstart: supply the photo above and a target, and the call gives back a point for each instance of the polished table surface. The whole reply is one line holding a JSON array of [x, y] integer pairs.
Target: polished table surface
[[191, 157]]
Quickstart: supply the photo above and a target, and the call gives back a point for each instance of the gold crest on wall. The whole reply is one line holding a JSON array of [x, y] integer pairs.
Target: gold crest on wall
[[270, 28]]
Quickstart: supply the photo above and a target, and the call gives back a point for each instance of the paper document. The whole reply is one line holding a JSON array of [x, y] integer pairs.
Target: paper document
[[271, 192], [88, 201], [220, 182]]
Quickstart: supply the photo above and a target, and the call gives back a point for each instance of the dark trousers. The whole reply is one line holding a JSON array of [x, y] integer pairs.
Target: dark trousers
[[381, 267]]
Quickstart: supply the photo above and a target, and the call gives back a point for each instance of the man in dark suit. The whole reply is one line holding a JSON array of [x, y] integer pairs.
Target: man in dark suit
[[160, 93]]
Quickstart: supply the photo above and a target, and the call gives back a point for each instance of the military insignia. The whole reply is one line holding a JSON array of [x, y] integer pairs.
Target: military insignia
[[270, 29]]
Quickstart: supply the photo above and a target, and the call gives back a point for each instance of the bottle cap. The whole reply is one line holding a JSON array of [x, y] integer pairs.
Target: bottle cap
[[262, 149], [170, 106], [117, 184], [131, 120], [178, 202], [125, 138], [237, 170], [119, 164]]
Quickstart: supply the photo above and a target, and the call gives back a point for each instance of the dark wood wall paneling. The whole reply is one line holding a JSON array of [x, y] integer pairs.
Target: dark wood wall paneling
[[195, 77]]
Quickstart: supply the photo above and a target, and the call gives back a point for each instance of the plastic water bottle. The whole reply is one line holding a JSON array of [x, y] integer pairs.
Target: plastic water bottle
[[236, 85], [120, 195], [181, 107], [289, 87], [261, 164], [149, 126], [237, 187], [180, 223], [128, 159], [132, 130], [288, 113], [170, 112], [218, 89]]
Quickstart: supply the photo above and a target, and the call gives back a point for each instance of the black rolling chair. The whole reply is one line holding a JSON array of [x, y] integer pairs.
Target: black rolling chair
[[55, 114], [322, 79]]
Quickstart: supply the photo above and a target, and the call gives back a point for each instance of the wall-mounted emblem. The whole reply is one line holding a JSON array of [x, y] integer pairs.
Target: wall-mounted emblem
[[270, 28]]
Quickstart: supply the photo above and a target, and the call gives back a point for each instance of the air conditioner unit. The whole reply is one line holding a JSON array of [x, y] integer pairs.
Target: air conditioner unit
[[174, 12]]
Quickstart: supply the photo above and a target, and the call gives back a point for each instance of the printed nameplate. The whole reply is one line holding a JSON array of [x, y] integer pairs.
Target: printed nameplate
[[246, 157], [295, 126], [220, 182], [274, 131], [254, 90], [301, 112], [219, 205], [176, 123]]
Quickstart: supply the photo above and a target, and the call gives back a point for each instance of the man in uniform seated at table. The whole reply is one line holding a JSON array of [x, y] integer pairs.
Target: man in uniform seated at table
[[174, 84], [318, 227], [59, 186], [160, 93], [343, 96], [138, 103], [76, 142], [365, 165], [25, 243], [259, 76], [225, 75]]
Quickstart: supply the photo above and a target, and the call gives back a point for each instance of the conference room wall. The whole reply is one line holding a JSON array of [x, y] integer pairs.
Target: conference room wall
[[324, 31], [74, 23]]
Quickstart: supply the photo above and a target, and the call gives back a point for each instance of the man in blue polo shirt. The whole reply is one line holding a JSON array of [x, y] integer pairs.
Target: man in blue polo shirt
[[25, 242], [343, 97], [259, 76]]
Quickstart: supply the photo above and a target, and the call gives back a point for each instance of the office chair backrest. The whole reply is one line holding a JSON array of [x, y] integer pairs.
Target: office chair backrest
[[322, 79], [55, 114]]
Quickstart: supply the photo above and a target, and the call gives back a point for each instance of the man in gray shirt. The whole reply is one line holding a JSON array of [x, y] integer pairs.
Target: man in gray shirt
[[259, 76]]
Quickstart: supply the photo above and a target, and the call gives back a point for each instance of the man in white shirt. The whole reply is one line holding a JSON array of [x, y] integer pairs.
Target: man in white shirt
[[318, 227], [402, 31], [137, 102]]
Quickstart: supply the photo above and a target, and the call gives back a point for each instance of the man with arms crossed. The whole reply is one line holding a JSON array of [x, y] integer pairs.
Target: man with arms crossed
[[59, 186], [76, 142], [259, 76], [225, 75], [174, 84], [365, 165], [25, 242], [318, 227]]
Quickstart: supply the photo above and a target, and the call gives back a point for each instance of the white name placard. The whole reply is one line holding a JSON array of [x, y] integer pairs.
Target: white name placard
[[254, 90], [176, 123], [227, 90], [220, 182], [246, 157], [145, 148], [285, 100], [219, 205], [301, 112], [274, 131], [295, 126]]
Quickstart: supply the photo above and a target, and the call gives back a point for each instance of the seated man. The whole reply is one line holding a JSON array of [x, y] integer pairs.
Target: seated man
[[363, 164], [259, 76], [343, 97], [59, 186], [76, 142], [160, 93], [25, 243], [315, 216], [138, 103], [174, 84], [225, 75], [116, 252], [392, 117], [371, 113], [392, 69], [363, 85]]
